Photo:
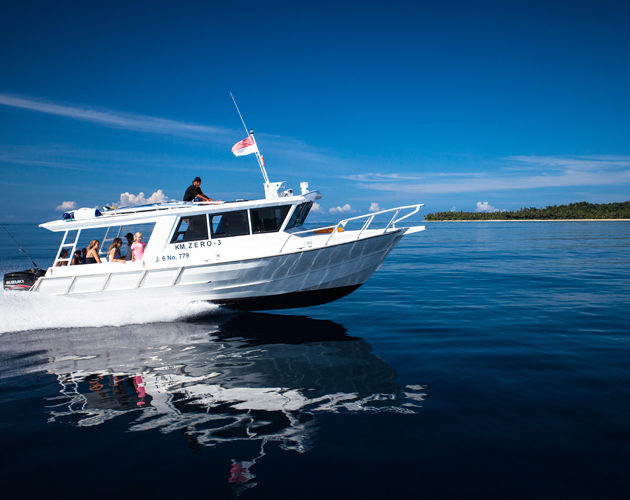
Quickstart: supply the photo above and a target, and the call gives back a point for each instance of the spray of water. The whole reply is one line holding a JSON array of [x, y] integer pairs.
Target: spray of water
[[30, 311]]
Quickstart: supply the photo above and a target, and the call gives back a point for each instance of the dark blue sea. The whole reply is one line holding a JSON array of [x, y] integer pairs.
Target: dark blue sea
[[482, 360]]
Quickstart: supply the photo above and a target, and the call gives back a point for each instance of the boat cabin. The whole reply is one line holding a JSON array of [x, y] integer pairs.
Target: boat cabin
[[187, 230]]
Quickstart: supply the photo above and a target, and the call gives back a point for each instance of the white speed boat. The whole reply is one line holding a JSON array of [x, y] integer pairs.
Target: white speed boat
[[247, 255]]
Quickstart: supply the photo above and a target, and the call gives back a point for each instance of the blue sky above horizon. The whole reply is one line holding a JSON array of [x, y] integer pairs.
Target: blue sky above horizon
[[457, 105]]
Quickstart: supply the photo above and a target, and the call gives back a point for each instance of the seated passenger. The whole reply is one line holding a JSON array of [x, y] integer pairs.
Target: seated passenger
[[137, 248], [83, 255], [76, 258], [113, 254], [92, 257], [62, 255]]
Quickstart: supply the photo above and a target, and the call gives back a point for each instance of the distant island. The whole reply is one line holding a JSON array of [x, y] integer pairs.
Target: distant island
[[581, 210]]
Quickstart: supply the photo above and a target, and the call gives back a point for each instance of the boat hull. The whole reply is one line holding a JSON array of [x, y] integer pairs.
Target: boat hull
[[295, 279], [288, 300]]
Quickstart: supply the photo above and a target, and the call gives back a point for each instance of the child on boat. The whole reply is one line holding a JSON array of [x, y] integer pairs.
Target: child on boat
[[137, 248]]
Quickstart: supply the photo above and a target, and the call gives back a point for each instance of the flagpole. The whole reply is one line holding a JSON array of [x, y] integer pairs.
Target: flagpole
[[260, 162], [250, 133]]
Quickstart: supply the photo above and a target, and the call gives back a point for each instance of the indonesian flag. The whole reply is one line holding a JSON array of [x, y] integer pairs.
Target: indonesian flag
[[245, 147]]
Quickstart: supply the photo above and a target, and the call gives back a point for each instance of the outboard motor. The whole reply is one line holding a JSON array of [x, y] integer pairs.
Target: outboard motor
[[22, 280]]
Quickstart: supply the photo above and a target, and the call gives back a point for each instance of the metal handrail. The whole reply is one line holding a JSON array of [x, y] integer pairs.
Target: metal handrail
[[370, 217]]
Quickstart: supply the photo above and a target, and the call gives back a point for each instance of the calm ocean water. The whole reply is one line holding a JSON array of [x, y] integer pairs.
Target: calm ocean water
[[484, 359]]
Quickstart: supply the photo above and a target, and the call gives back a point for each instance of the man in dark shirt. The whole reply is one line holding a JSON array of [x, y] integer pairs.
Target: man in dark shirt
[[194, 192], [129, 238]]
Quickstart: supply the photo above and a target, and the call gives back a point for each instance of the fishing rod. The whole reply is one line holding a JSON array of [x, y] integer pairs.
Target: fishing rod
[[19, 246]]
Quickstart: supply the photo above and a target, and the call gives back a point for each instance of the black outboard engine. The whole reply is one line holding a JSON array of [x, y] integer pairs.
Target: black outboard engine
[[22, 280]]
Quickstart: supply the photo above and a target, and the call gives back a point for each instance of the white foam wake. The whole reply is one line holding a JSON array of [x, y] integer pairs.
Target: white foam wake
[[32, 311]]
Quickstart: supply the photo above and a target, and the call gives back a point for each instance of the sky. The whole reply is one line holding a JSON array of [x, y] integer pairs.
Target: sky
[[458, 105]]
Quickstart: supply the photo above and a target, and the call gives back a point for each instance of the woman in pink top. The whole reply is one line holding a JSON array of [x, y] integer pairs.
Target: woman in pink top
[[137, 248]]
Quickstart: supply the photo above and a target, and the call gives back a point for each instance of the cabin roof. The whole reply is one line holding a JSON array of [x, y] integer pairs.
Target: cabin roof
[[150, 213]]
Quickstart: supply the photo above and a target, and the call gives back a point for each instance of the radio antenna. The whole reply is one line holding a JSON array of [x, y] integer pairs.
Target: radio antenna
[[239, 114], [20, 246]]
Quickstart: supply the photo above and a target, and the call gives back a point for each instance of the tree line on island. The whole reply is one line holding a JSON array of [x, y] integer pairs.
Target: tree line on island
[[581, 210]]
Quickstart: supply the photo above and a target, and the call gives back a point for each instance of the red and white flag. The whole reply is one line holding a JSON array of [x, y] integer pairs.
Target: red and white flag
[[245, 147]]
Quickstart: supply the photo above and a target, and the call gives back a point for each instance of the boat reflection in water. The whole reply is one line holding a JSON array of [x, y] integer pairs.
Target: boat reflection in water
[[254, 377]]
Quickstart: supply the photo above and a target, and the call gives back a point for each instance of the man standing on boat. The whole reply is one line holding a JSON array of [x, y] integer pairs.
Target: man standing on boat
[[194, 192], [129, 237]]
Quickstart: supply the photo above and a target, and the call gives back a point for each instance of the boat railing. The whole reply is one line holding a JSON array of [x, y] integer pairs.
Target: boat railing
[[369, 218]]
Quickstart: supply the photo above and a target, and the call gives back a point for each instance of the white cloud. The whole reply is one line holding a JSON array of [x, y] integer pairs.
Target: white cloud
[[531, 172], [375, 207], [316, 208], [509, 173], [284, 147], [341, 210], [485, 207], [115, 119], [66, 205], [103, 160], [130, 200], [379, 177]]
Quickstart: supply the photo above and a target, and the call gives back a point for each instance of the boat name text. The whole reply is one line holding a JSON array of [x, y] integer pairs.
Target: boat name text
[[196, 244]]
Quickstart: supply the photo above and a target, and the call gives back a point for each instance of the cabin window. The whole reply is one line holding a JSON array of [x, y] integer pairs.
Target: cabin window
[[294, 216], [299, 214], [305, 212], [268, 219], [192, 228], [229, 224], [106, 236], [146, 229]]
